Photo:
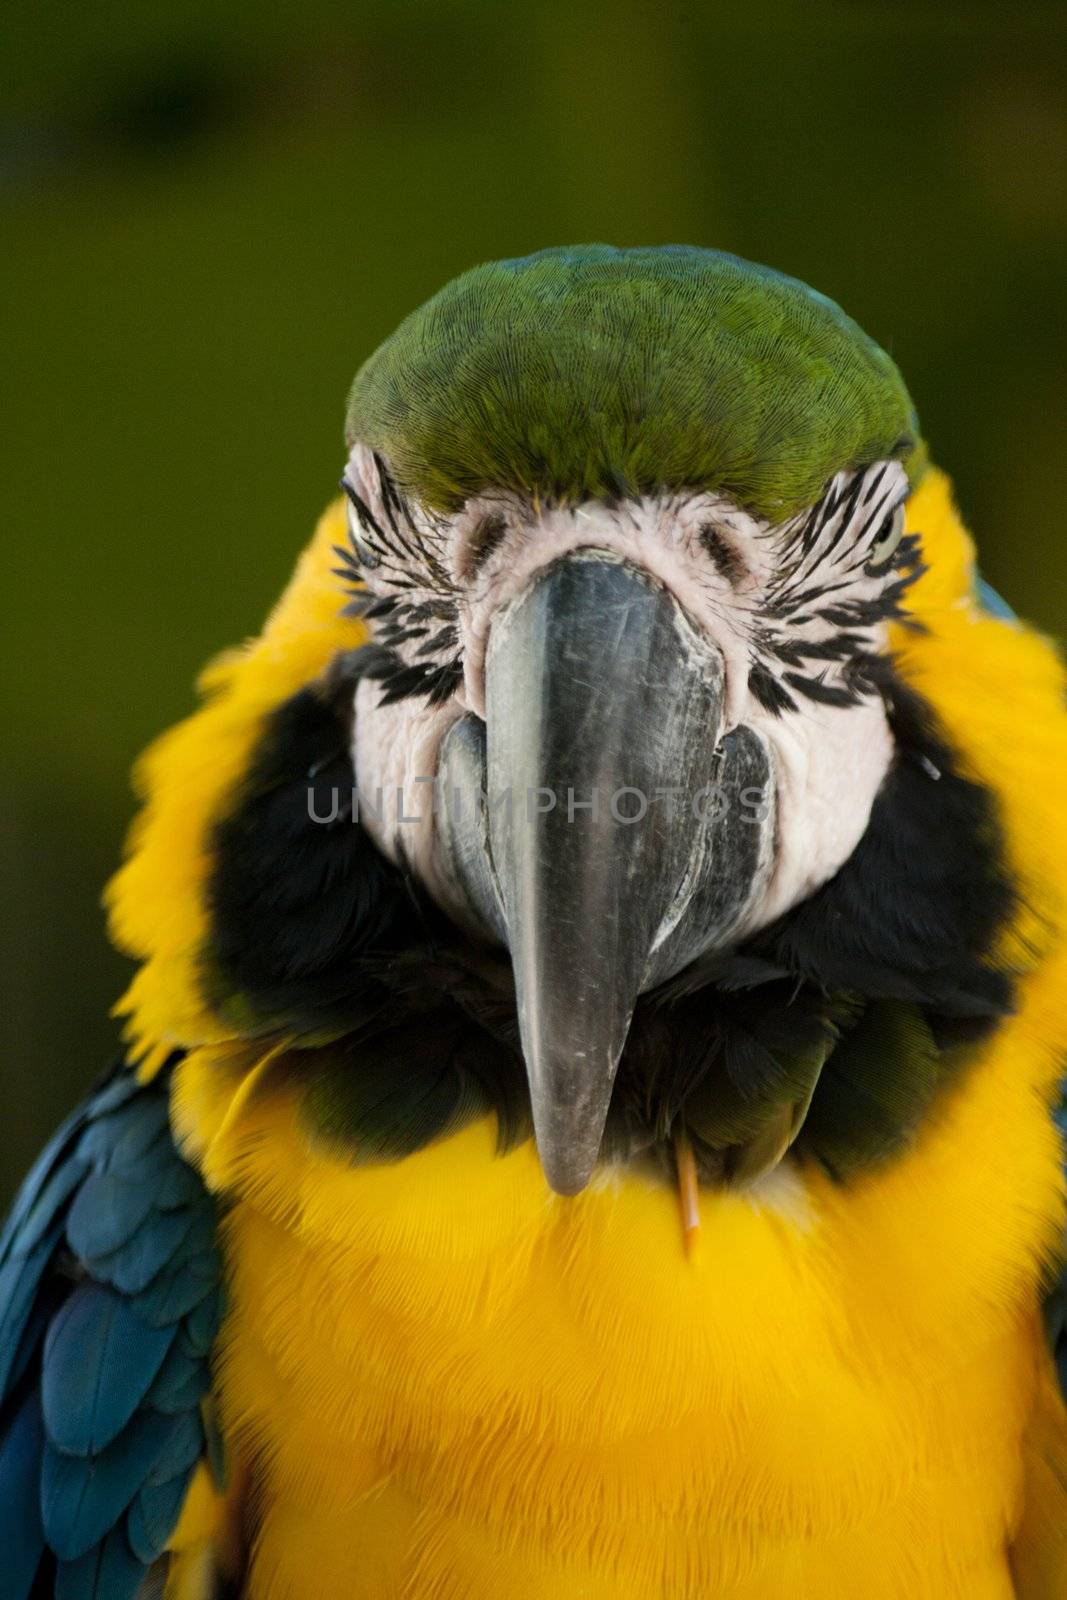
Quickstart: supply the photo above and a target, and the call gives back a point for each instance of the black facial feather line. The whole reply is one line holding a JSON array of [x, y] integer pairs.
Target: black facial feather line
[[423, 612], [838, 534]]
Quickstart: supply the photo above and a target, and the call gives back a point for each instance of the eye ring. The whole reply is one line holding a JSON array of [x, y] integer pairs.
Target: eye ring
[[889, 537]]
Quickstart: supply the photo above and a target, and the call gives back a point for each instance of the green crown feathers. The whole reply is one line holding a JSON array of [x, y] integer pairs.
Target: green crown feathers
[[597, 372]]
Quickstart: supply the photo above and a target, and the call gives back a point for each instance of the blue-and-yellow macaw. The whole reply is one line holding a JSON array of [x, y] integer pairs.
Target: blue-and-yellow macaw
[[588, 1120]]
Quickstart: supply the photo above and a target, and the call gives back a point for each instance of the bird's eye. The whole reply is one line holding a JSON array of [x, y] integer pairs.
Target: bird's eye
[[727, 562], [888, 539], [365, 554], [486, 537]]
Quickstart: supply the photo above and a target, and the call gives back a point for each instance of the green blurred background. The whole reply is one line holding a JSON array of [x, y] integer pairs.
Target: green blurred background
[[213, 212]]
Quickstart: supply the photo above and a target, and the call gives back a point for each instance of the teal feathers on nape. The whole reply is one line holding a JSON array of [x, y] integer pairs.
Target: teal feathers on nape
[[597, 372], [110, 1299], [991, 602]]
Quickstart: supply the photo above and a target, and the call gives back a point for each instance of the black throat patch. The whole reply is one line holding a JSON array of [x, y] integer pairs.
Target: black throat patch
[[877, 990]]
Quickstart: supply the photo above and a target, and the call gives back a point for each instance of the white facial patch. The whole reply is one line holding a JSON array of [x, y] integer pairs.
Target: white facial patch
[[797, 610]]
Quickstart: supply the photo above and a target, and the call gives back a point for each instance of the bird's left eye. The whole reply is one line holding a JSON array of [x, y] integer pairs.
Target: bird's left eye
[[365, 554], [891, 533]]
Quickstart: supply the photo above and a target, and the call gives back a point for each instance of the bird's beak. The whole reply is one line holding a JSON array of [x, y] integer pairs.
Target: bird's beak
[[612, 846]]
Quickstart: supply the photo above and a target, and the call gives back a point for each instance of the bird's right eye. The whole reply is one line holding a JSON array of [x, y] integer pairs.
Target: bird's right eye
[[887, 541], [488, 534], [366, 555]]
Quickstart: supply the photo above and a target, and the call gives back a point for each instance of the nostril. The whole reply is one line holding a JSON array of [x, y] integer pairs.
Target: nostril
[[728, 564]]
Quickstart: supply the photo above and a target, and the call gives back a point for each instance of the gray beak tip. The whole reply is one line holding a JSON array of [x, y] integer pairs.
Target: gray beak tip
[[596, 688], [567, 1167], [561, 1175], [569, 1118]]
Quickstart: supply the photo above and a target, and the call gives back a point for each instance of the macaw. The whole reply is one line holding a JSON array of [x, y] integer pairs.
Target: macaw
[[589, 1121]]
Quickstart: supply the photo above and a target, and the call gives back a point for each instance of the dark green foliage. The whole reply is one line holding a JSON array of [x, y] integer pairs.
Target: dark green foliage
[[593, 371]]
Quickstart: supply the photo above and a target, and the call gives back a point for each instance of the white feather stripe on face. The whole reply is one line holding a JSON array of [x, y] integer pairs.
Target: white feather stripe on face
[[661, 537], [749, 587]]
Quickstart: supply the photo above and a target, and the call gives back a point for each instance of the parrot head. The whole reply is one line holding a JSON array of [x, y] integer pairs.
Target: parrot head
[[589, 789], [628, 527]]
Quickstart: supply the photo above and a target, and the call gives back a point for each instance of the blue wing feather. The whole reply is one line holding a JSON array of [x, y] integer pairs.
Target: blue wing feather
[[21, 1533], [110, 1299], [95, 1334], [109, 1569], [176, 1292], [183, 1445], [181, 1384], [20, 1282], [200, 1326], [152, 1516], [142, 1126], [106, 1212], [992, 602], [83, 1497], [60, 1186], [134, 1265], [180, 1187], [49, 1160], [114, 1142], [33, 1334]]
